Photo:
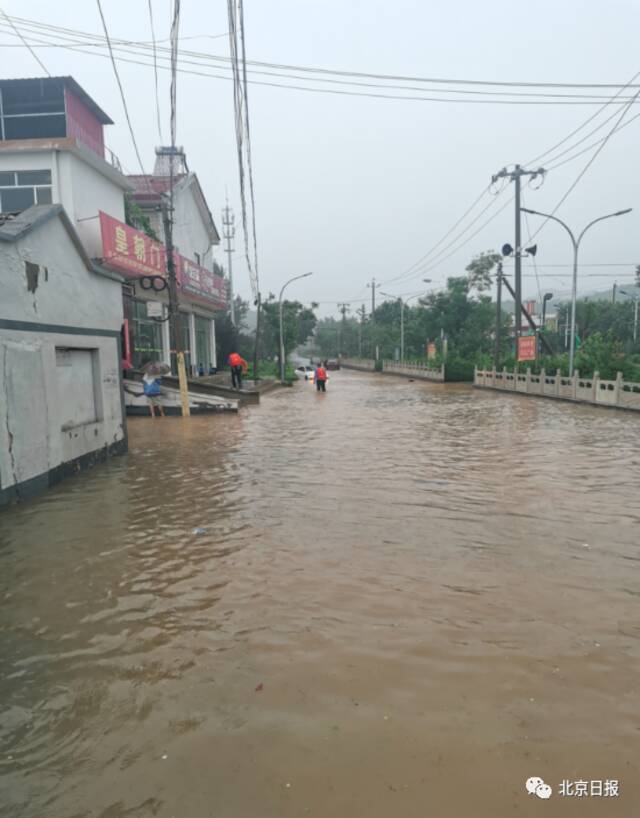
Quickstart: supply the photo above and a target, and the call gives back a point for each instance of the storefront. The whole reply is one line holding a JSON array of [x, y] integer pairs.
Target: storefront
[[201, 293]]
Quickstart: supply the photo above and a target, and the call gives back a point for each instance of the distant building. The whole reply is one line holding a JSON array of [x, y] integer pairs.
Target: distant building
[[60, 394]]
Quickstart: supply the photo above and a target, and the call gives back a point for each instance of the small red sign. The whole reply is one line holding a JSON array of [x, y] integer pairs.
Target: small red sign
[[431, 351], [527, 348], [130, 251]]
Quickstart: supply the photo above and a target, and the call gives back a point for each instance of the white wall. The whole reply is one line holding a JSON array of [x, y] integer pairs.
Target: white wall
[[78, 186], [48, 414], [90, 193], [190, 235]]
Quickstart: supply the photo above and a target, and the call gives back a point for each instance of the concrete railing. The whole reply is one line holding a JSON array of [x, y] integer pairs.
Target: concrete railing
[[408, 369], [595, 390]]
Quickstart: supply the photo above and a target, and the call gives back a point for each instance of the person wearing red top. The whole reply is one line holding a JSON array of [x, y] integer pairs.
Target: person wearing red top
[[238, 368], [321, 378]]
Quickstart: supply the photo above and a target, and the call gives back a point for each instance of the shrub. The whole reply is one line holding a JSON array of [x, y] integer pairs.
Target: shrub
[[458, 369]]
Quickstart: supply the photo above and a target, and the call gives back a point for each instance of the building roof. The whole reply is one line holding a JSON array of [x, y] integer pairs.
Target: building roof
[[66, 82], [14, 226], [149, 189]]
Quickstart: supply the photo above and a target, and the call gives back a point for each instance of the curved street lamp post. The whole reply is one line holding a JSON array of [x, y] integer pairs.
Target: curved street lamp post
[[286, 284], [576, 247]]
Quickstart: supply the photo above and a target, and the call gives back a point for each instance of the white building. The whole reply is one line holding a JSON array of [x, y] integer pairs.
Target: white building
[[60, 313], [60, 395], [194, 236]]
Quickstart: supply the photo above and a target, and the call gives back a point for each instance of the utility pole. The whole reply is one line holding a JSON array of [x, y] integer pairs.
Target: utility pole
[[175, 336], [615, 288], [229, 231], [496, 354], [256, 348], [362, 313], [516, 175], [344, 309], [373, 286]]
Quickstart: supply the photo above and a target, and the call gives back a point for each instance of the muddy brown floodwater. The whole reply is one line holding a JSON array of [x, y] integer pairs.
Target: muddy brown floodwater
[[408, 599]]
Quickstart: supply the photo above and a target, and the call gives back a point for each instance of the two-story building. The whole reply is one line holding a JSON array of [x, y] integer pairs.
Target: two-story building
[[203, 289], [61, 402]]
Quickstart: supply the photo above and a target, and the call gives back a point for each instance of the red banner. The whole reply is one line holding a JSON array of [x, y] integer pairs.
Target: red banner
[[527, 348], [130, 251], [134, 254], [202, 283]]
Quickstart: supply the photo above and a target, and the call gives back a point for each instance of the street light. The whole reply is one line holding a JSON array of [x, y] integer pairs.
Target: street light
[[576, 246], [402, 303], [286, 284], [636, 298]]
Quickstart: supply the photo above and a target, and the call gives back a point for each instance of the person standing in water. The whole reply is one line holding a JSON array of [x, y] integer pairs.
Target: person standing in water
[[321, 378], [238, 368]]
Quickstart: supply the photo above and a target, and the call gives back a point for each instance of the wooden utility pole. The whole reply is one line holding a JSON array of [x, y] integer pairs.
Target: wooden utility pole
[[175, 335]]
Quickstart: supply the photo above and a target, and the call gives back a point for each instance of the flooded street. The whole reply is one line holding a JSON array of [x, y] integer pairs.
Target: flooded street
[[408, 598]]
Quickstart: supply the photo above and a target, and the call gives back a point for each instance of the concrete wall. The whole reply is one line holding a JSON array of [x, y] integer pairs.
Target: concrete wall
[[60, 396], [407, 369], [84, 192], [597, 391]]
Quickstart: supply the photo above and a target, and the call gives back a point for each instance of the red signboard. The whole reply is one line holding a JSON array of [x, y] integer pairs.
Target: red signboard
[[202, 283], [130, 251], [134, 254], [527, 348], [431, 350]]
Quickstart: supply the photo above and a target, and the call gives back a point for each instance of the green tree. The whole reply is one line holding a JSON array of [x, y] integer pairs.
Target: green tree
[[134, 216], [298, 323], [480, 268]]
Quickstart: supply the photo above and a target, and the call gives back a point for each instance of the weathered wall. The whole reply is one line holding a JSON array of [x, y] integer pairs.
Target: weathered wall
[[60, 397]]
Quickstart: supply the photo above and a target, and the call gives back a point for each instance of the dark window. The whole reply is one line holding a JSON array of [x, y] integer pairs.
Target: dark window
[[34, 127], [17, 198], [33, 98], [34, 177], [8, 179], [44, 195]]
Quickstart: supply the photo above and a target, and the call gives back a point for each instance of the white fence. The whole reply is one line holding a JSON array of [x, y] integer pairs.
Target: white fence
[[408, 369], [619, 393]]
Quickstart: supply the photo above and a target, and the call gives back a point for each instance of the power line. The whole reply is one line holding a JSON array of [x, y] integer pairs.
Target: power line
[[222, 61], [598, 151], [25, 43], [124, 101], [378, 76], [155, 70]]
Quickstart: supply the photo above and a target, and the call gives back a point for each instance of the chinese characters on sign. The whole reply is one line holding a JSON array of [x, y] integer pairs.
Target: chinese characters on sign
[[609, 788], [202, 283], [527, 348], [134, 254], [129, 251]]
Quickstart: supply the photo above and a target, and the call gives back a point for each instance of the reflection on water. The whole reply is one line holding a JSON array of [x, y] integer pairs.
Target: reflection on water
[[407, 599]]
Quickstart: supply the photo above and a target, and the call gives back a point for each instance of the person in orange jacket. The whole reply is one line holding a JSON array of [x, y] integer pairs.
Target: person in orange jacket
[[321, 378], [238, 369]]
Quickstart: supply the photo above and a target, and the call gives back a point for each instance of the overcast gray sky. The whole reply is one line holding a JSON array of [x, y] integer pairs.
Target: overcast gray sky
[[353, 187]]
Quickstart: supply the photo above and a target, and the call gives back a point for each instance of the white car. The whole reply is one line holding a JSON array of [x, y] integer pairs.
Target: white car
[[305, 372]]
